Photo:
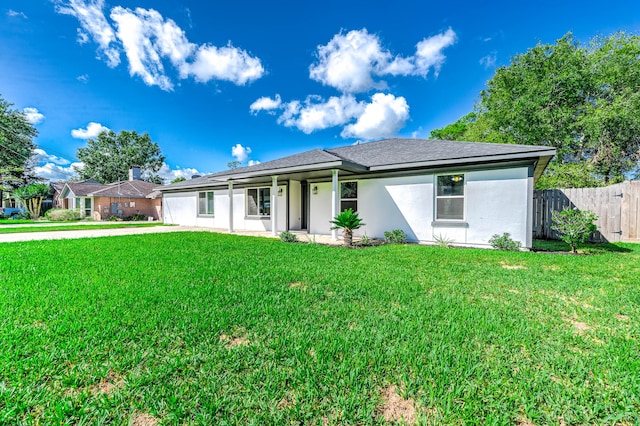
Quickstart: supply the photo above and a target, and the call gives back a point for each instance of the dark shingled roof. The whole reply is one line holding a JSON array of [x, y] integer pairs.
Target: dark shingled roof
[[385, 154], [406, 151]]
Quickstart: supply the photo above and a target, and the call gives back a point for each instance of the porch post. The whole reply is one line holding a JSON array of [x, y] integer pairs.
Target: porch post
[[334, 201], [230, 206], [274, 206]]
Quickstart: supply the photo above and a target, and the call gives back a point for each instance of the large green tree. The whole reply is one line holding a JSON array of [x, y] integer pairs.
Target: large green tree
[[16, 147], [582, 99], [109, 157]]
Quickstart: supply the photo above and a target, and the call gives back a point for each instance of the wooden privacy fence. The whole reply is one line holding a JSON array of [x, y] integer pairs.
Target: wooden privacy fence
[[617, 207]]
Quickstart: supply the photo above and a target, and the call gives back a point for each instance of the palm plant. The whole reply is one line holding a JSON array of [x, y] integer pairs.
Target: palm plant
[[348, 221]]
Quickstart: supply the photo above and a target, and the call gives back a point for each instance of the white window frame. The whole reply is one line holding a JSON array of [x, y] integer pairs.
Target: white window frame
[[445, 197], [206, 198], [260, 202], [349, 199], [82, 207]]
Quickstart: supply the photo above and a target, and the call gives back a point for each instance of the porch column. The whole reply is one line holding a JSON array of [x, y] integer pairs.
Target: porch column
[[335, 202], [230, 206], [274, 206]]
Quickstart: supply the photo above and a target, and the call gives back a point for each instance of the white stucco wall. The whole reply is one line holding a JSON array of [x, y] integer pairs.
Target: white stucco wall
[[295, 205], [320, 208], [496, 201], [180, 208]]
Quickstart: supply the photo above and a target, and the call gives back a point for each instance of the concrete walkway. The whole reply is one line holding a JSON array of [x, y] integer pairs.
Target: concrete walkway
[[95, 233]]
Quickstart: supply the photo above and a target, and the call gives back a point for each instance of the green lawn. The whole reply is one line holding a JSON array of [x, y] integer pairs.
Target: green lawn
[[204, 328], [76, 227]]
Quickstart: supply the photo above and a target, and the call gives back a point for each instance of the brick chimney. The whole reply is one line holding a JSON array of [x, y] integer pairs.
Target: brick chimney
[[134, 173]]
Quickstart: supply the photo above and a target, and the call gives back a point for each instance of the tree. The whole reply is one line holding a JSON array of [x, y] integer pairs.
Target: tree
[[583, 100], [574, 226], [179, 179], [16, 147], [109, 157], [348, 221], [233, 164], [31, 197]]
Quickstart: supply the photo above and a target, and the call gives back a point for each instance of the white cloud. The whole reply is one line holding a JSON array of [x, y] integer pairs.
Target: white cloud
[[93, 23], [14, 14], [61, 171], [253, 162], [168, 174], [266, 104], [223, 63], [32, 115], [84, 78], [156, 48], [383, 117], [93, 130], [240, 153], [349, 62], [429, 52], [489, 61], [317, 114], [41, 156]]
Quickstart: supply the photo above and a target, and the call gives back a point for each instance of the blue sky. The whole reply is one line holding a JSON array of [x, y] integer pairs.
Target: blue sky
[[213, 82]]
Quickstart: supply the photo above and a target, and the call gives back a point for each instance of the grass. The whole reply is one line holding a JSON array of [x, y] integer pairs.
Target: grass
[[72, 227], [10, 222], [202, 328]]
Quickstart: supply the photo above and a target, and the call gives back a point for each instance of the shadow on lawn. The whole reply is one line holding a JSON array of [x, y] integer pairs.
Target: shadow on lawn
[[588, 248]]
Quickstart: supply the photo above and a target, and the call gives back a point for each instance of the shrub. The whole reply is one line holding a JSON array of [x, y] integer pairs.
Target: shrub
[[62, 215], [115, 219], [504, 242], [397, 236], [136, 217], [574, 226], [288, 237]]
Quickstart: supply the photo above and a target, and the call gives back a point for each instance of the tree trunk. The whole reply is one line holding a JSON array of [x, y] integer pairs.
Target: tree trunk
[[348, 237]]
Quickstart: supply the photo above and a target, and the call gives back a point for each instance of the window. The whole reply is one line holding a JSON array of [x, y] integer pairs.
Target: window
[[450, 197], [348, 196], [84, 205], [258, 201], [205, 203]]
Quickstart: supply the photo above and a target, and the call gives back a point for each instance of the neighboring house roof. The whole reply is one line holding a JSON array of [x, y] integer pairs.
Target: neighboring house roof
[[129, 189], [384, 155]]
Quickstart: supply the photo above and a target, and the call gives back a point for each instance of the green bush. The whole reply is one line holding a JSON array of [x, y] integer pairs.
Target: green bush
[[504, 242], [114, 219], [397, 236], [574, 226], [288, 237], [136, 217], [62, 215]]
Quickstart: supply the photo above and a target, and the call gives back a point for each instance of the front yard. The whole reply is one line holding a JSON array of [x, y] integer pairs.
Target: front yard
[[203, 328]]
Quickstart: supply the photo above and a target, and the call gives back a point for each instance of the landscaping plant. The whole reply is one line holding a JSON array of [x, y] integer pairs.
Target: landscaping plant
[[574, 226], [62, 215], [397, 236], [288, 237], [348, 221], [504, 242]]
